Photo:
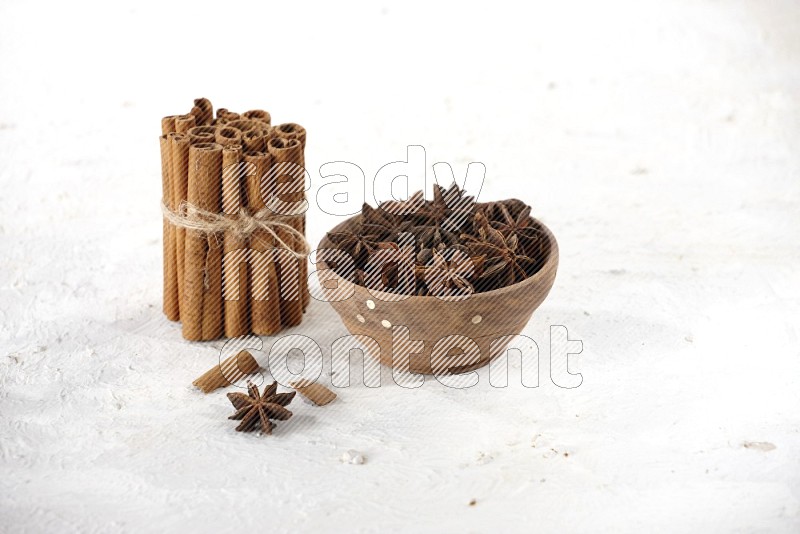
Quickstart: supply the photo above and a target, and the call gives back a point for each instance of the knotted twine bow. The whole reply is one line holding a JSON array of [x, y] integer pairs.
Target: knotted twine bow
[[242, 224]]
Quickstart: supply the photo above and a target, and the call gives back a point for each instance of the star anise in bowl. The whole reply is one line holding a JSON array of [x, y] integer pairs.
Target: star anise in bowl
[[500, 241], [506, 262], [378, 221], [358, 243], [448, 272], [452, 207]]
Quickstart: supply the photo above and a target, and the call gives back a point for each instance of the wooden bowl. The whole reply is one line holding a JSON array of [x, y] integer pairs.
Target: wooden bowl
[[458, 336]]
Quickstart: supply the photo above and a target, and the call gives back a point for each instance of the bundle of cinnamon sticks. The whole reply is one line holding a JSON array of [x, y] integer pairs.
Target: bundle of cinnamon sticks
[[233, 282]]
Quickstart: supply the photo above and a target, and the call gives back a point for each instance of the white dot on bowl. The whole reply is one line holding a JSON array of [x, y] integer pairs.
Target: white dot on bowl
[[360, 318], [477, 319], [370, 305], [386, 324]]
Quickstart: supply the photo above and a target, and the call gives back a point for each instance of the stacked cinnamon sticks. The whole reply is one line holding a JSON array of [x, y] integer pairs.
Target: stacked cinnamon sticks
[[232, 283]]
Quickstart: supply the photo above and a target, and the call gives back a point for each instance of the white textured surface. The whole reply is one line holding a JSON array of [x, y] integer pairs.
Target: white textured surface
[[659, 142]]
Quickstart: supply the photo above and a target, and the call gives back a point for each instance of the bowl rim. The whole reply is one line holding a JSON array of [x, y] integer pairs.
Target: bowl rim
[[550, 264]]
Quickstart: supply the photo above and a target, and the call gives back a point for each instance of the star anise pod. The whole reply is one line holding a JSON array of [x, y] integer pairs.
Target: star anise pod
[[405, 208], [390, 269], [450, 210], [356, 243], [448, 278], [255, 407], [506, 263], [437, 209], [502, 241], [425, 255], [520, 225], [492, 209], [430, 236], [383, 223]]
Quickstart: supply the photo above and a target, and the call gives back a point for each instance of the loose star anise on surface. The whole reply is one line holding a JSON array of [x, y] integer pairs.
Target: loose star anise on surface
[[255, 407]]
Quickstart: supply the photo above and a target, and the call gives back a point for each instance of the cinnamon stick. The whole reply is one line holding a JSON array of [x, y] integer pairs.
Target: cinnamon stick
[[213, 304], [171, 302], [223, 113], [265, 288], [168, 125], [184, 123], [288, 165], [203, 111], [259, 115], [291, 130], [237, 320], [179, 178], [313, 391], [254, 183], [227, 135], [228, 372], [265, 304], [254, 141], [295, 131], [204, 191], [202, 134], [287, 160], [246, 125]]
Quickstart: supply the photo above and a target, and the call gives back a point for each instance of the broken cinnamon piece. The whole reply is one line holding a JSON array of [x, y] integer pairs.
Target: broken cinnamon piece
[[316, 393], [228, 372]]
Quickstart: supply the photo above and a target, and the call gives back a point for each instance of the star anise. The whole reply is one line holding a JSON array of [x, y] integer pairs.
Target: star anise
[[390, 269], [503, 242], [405, 208], [425, 255], [448, 278], [255, 407], [356, 243], [451, 209], [383, 223], [437, 209], [505, 261], [492, 209], [444, 218], [520, 225], [430, 236]]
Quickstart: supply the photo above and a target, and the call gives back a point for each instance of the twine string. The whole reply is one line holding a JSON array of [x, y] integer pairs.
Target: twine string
[[242, 224]]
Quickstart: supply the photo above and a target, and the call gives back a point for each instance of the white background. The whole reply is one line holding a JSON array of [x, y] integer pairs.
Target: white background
[[658, 140]]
